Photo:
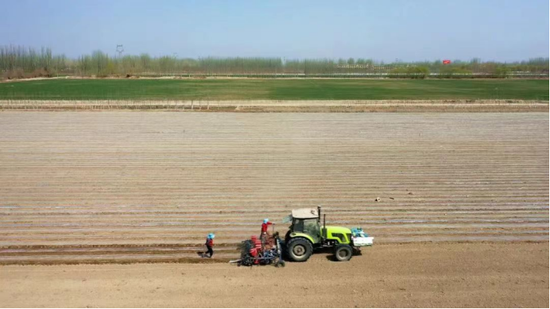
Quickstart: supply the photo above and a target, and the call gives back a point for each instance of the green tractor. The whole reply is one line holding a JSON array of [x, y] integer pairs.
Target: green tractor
[[306, 234]]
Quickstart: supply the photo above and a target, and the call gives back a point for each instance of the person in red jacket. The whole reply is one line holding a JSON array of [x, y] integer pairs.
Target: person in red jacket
[[265, 225], [264, 234], [209, 244]]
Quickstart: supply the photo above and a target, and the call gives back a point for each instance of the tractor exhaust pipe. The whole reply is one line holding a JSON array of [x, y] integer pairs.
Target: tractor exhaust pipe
[[323, 229]]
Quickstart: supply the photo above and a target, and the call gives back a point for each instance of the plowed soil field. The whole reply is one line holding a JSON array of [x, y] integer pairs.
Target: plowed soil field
[[393, 275], [145, 187]]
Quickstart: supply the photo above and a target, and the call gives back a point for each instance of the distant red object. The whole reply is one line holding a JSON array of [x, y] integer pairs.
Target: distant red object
[[446, 61]]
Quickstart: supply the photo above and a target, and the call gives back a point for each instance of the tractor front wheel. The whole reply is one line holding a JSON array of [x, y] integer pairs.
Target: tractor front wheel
[[299, 249], [343, 253]]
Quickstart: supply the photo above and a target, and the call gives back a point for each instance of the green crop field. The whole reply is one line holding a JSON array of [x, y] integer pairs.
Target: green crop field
[[273, 89]]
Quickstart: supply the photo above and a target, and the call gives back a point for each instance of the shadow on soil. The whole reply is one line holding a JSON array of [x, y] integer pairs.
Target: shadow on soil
[[329, 254]]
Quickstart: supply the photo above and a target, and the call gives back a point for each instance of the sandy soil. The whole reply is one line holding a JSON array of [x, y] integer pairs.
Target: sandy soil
[[133, 187], [123, 187], [428, 275]]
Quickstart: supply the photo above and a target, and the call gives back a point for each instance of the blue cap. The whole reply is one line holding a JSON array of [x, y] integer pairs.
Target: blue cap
[[211, 236], [266, 220]]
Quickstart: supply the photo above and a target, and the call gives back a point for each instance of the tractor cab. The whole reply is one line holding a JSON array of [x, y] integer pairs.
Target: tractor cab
[[305, 223]]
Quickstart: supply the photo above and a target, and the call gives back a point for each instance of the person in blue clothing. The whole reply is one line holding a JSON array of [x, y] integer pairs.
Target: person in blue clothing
[[209, 244]]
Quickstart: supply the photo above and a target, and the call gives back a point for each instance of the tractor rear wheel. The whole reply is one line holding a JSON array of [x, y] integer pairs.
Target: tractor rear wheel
[[343, 253], [299, 249]]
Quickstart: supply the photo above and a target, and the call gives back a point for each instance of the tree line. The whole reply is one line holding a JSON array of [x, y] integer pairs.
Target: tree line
[[21, 62]]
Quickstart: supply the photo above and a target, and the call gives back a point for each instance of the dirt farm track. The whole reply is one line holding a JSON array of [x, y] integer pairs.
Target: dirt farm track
[[99, 187]]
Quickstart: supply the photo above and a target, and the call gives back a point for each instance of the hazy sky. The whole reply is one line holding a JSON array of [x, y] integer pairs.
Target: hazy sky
[[504, 30]]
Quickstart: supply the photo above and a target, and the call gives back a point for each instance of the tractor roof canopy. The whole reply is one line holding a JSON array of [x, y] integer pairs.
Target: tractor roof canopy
[[305, 213]]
